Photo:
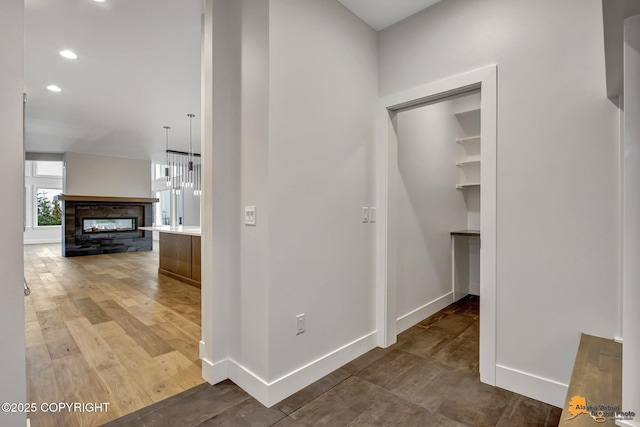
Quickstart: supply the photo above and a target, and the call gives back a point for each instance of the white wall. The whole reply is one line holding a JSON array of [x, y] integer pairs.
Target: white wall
[[557, 228], [289, 131], [322, 100], [558, 235], [93, 175], [235, 282], [221, 192], [631, 315], [254, 290], [12, 353]]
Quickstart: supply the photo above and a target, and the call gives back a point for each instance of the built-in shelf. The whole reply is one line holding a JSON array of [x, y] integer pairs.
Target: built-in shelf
[[468, 112], [469, 233], [467, 139], [467, 185], [470, 162], [465, 244]]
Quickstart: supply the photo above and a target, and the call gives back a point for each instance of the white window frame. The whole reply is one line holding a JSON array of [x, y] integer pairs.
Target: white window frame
[[35, 174], [34, 204], [33, 183]]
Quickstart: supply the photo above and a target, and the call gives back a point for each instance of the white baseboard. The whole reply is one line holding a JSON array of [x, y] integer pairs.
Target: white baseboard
[[618, 340], [42, 241], [416, 316], [216, 372], [250, 382], [270, 393], [474, 289], [530, 385], [294, 381]]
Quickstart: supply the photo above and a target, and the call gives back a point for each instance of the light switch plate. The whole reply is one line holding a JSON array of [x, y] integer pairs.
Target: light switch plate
[[250, 215], [373, 214], [365, 214], [300, 324]]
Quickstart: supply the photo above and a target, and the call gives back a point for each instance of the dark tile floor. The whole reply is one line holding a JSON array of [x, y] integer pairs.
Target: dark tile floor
[[428, 378]]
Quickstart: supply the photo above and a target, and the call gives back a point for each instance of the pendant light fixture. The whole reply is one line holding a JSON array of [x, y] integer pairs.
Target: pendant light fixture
[[183, 168], [191, 116], [166, 166]]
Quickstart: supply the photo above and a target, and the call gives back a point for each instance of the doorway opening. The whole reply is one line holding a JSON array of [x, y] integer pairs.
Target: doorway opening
[[428, 252], [106, 329]]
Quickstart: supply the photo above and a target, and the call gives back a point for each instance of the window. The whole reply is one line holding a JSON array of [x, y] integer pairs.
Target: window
[[158, 171], [43, 181], [49, 211], [48, 169], [163, 208]]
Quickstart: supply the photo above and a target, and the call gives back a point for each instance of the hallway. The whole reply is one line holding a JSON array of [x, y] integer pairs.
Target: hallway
[[428, 378]]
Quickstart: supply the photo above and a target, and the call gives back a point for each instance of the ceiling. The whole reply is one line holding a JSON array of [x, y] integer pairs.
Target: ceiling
[[382, 13], [138, 69], [614, 12]]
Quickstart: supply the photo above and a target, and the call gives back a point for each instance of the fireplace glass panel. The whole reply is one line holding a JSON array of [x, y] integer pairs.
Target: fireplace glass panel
[[108, 225]]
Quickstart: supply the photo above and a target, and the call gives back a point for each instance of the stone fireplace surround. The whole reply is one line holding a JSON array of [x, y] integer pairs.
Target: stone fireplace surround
[[77, 208]]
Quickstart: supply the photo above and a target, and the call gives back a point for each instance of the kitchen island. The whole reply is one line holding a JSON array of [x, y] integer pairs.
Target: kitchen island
[[179, 253]]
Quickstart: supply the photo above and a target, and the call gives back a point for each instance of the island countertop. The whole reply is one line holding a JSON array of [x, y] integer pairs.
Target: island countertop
[[181, 229]]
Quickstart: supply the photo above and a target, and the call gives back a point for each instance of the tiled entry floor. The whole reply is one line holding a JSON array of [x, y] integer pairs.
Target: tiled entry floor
[[428, 378]]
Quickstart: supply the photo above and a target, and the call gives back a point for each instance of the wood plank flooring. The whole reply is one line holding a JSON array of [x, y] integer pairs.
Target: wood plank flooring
[[106, 328], [428, 378], [596, 377]]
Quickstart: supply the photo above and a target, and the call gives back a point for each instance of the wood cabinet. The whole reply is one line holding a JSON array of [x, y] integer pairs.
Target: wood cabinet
[[180, 257], [195, 259]]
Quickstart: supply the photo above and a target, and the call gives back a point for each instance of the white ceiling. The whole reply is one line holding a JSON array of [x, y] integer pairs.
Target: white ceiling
[[138, 69], [381, 13]]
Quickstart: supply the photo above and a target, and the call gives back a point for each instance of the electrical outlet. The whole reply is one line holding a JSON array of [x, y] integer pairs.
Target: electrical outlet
[[300, 326]]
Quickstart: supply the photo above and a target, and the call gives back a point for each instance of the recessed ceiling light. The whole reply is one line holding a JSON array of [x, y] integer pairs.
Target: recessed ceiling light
[[68, 54], [99, 1], [54, 88]]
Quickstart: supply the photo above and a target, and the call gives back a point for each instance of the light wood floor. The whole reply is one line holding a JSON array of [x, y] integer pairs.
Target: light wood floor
[[106, 328]]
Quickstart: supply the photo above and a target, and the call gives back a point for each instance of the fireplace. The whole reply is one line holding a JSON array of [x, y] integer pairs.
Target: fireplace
[[108, 225], [96, 225]]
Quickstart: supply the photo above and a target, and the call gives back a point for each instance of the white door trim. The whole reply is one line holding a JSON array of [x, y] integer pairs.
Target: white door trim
[[386, 162]]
